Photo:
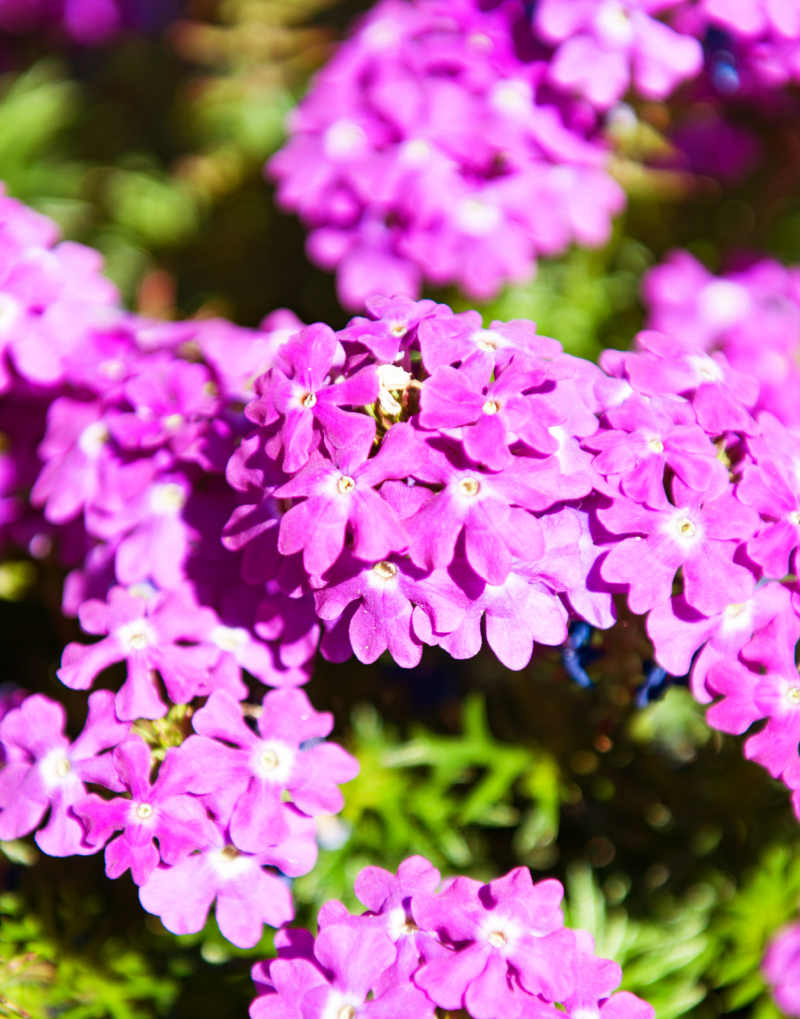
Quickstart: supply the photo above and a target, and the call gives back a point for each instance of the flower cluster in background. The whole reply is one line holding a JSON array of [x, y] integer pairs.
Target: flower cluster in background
[[427, 148], [87, 22], [496, 949]]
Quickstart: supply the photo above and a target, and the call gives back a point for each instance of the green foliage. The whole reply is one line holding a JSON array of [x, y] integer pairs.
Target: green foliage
[[436, 796], [40, 978]]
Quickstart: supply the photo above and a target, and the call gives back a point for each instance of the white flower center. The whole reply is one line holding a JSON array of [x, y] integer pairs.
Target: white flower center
[[476, 217], [511, 98], [485, 339], [93, 439], [63, 767], [173, 422], [274, 760], [793, 695], [112, 370], [385, 570], [167, 500], [9, 313], [346, 1012], [309, 400], [229, 853], [409, 927], [135, 636], [734, 610], [794, 518], [346, 485], [497, 939], [344, 140], [143, 811], [229, 638], [656, 444], [613, 24], [490, 407], [469, 486], [415, 153], [685, 527], [721, 303]]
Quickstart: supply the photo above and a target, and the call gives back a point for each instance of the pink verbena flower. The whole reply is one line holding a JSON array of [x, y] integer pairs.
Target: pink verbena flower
[[603, 44], [752, 316], [247, 896], [43, 770], [306, 404], [678, 631], [697, 533], [150, 636], [263, 765], [509, 928], [162, 810], [340, 494], [406, 167], [781, 969], [400, 606]]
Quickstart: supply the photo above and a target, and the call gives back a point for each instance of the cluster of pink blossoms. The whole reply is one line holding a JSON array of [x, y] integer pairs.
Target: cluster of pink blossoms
[[499, 951], [120, 429], [415, 479], [428, 147], [751, 315], [420, 479], [450, 143]]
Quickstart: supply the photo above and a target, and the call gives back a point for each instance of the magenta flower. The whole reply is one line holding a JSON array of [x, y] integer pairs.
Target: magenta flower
[[263, 765], [247, 896], [162, 811], [697, 534], [512, 930], [307, 405], [448, 339], [340, 494], [44, 770], [74, 450], [776, 695], [399, 606], [491, 510], [489, 415], [781, 969], [405, 166], [602, 44], [393, 321], [150, 636], [172, 401], [356, 960], [678, 631], [516, 613], [665, 366], [646, 437], [771, 489]]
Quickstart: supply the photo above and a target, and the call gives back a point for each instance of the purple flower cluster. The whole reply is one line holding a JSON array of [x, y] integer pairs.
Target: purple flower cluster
[[215, 807], [421, 480], [428, 147], [751, 315], [495, 950], [751, 44], [119, 430]]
